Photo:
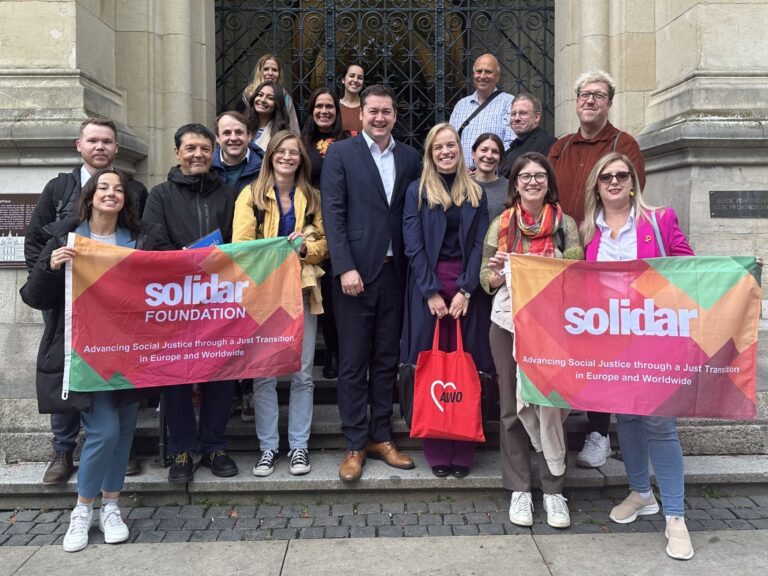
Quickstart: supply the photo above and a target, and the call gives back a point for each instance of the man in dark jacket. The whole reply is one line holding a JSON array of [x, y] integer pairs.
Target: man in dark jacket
[[236, 160], [524, 119], [191, 204], [97, 145]]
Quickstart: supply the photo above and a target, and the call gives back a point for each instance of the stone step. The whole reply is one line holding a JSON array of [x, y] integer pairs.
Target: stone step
[[20, 485]]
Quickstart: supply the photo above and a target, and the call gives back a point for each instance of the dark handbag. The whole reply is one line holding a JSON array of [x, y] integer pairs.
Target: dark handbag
[[406, 374]]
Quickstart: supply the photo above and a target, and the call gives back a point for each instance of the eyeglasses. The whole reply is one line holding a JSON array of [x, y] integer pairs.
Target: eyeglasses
[[539, 177], [289, 153], [608, 178], [598, 96]]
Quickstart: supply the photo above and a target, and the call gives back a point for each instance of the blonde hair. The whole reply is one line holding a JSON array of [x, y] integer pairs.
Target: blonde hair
[[596, 76], [593, 203], [258, 74], [266, 180], [432, 184]]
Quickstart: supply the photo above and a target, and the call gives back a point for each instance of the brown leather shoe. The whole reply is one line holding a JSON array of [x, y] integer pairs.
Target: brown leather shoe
[[60, 468], [352, 467], [388, 452]]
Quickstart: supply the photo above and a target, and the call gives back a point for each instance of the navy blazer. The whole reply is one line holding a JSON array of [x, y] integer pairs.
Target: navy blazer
[[359, 223], [424, 230]]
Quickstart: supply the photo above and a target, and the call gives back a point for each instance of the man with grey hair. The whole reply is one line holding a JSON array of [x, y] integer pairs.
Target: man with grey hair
[[524, 120], [574, 155]]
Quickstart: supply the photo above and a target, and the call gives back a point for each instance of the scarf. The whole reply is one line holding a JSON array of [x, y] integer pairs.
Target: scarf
[[521, 233]]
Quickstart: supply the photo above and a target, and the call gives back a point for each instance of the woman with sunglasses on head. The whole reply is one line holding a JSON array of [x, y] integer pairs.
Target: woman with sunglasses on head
[[353, 82], [322, 129], [533, 223], [444, 222], [269, 69], [282, 202], [487, 151], [266, 114], [618, 225], [107, 214]]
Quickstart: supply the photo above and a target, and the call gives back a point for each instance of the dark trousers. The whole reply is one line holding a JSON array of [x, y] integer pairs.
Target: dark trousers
[[514, 440], [327, 318], [598, 422], [215, 409], [369, 328], [65, 427]]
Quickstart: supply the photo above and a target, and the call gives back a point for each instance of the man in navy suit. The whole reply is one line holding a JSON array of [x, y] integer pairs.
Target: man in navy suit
[[363, 189]]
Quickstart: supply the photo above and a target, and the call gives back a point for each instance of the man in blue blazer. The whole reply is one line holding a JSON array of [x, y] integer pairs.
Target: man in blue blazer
[[363, 189]]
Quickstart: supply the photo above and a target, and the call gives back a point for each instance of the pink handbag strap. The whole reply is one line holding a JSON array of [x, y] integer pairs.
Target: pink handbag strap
[[436, 337]]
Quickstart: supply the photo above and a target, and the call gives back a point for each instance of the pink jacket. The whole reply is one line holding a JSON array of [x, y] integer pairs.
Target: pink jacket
[[647, 247]]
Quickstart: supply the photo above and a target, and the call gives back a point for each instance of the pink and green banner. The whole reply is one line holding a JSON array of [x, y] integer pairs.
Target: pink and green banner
[[138, 319], [663, 336]]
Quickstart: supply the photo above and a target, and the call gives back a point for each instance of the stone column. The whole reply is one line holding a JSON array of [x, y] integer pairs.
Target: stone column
[[147, 64]]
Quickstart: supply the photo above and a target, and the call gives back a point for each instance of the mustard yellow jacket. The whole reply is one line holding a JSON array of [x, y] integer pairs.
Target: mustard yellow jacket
[[244, 228]]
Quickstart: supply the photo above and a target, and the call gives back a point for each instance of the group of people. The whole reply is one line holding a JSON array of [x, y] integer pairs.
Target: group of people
[[389, 244]]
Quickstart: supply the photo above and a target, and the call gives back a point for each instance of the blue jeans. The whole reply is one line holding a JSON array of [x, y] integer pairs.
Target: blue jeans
[[109, 432], [641, 437], [300, 403]]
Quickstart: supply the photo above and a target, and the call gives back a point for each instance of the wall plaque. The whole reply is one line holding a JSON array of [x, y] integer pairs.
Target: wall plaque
[[15, 212], [738, 204]]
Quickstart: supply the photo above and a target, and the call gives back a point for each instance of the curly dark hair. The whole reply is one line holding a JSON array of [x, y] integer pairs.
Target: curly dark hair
[[128, 217]]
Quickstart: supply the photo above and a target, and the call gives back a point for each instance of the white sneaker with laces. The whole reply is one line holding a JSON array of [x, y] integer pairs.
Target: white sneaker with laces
[[596, 449], [76, 537], [521, 509], [112, 525], [557, 511]]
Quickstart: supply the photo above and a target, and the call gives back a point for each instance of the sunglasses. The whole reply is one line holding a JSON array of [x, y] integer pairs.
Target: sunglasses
[[608, 178]]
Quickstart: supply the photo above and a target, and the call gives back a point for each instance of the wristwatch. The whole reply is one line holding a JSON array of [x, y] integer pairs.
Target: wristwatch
[[464, 293]]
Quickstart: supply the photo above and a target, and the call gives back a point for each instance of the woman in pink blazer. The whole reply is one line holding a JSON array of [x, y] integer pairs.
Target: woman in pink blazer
[[619, 225]]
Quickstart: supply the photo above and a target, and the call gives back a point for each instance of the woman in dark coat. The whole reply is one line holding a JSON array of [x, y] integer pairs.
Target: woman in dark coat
[[109, 215], [444, 223]]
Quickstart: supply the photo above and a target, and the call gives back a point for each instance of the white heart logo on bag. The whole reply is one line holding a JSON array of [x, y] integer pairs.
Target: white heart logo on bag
[[445, 396]]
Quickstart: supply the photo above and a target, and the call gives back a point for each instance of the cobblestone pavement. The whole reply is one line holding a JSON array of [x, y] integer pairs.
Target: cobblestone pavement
[[201, 523]]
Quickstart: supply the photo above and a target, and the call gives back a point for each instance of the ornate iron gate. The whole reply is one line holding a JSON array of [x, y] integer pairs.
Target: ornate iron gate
[[424, 50]]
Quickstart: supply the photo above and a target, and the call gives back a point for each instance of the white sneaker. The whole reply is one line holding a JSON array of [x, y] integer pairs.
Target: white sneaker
[[557, 511], [76, 537], [596, 449], [678, 541], [111, 523], [521, 509]]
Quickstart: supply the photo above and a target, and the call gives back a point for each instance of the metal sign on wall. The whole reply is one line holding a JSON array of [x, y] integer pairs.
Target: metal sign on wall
[[424, 50], [15, 213]]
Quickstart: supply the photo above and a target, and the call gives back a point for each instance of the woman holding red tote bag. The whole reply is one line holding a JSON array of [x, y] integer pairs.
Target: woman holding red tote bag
[[445, 219]]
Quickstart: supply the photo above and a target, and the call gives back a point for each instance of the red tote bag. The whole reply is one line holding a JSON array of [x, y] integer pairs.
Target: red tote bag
[[446, 397]]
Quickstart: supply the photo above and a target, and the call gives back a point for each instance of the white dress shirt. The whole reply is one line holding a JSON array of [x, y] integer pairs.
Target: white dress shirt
[[624, 247], [385, 162]]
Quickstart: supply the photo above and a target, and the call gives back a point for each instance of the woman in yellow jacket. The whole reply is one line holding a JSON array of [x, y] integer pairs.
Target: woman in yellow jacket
[[282, 202]]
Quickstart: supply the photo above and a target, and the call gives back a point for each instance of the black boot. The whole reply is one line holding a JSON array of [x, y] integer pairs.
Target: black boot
[[331, 368]]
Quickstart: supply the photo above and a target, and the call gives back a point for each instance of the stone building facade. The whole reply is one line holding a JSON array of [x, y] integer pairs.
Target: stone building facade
[[692, 86]]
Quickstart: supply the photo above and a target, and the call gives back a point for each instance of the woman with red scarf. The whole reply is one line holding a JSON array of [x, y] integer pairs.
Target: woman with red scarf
[[533, 223]]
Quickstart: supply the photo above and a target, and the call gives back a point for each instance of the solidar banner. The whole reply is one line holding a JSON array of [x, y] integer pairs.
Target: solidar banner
[[138, 319]]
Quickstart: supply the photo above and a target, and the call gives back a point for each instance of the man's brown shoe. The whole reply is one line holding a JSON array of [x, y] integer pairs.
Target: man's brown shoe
[[388, 452], [352, 467], [60, 468]]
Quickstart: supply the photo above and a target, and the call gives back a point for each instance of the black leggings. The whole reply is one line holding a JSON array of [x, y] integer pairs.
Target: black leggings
[[598, 422]]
